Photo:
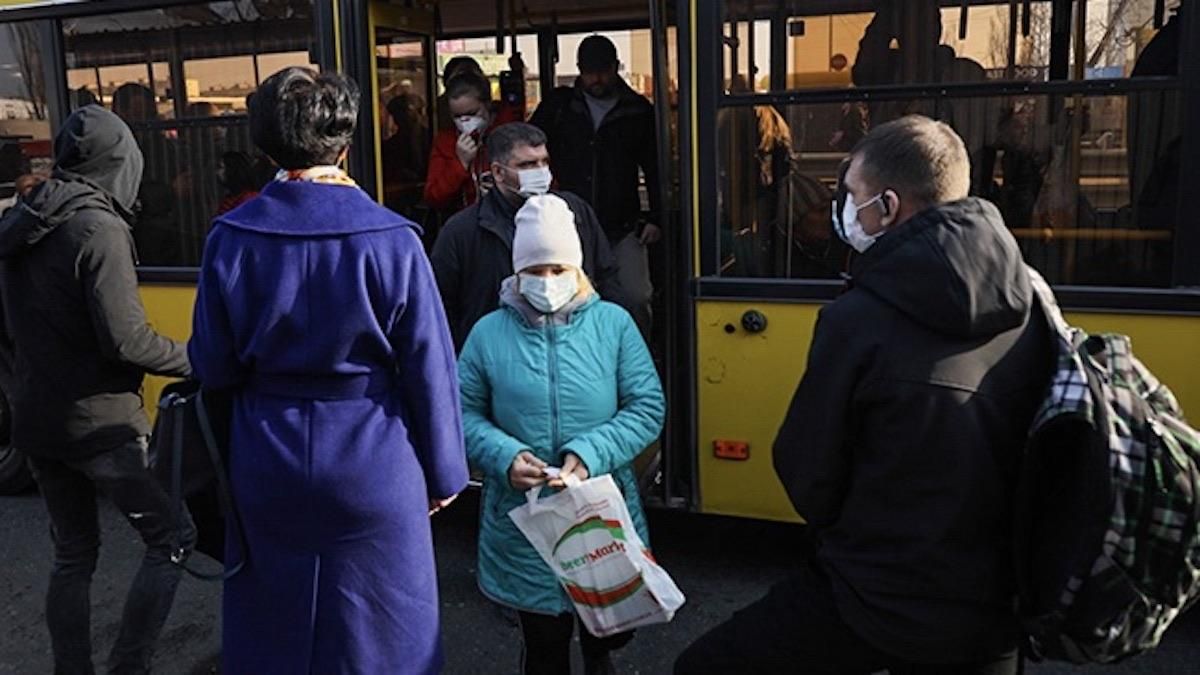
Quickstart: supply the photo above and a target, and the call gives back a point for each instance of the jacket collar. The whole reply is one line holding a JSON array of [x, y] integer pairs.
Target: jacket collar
[[497, 215], [306, 209], [629, 102]]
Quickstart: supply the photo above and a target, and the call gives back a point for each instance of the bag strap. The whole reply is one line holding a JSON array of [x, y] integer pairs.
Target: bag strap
[[179, 555], [224, 491]]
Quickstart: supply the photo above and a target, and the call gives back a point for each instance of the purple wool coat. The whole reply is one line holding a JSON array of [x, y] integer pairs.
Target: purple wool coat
[[319, 307]]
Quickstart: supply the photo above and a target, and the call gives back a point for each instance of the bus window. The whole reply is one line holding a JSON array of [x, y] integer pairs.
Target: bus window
[[97, 84], [193, 132], [889, 43], [1058, 168], [218, 85], [24, 116]]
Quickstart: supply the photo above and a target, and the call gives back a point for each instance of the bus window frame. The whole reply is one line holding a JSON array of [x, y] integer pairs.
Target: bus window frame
[[50, 16], [1182, 297]]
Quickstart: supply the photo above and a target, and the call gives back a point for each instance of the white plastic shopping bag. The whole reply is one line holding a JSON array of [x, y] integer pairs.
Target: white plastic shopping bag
[[585, 535]]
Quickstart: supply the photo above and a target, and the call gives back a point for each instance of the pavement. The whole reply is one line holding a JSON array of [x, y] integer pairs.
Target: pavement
[[721, 564]]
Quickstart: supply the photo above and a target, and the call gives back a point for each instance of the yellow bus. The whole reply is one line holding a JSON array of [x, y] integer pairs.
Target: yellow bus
[[1074, 112]]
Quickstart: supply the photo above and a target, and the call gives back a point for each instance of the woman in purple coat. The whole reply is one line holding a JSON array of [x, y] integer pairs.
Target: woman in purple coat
[[319, 308]]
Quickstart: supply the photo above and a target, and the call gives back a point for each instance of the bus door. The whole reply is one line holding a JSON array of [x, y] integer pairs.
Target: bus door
[[402, 95]]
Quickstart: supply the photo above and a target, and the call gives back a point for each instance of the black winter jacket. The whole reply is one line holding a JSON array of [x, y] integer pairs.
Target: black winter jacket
[[74, 342], [473, 255], [902, 442], [601, 165]]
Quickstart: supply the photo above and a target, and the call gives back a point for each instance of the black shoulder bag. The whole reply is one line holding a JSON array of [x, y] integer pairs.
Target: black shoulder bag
[[187, 456]]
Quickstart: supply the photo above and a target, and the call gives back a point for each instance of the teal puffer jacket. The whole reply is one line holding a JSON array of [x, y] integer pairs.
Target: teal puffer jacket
[[581, 381]]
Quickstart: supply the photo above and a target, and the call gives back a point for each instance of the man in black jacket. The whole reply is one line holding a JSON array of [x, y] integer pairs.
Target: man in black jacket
[[473, 252], [74, 347], [902, 442], [600, 134]]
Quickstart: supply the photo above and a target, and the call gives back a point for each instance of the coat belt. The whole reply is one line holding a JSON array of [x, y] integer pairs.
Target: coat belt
[[322, 387]]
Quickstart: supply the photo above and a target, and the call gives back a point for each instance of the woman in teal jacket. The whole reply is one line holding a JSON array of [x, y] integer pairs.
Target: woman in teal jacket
[[555, 377]]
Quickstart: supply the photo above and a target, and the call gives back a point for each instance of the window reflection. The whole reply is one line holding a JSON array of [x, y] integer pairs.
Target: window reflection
[[1060, 169], [194, 129], [25, 154], [886, 42]]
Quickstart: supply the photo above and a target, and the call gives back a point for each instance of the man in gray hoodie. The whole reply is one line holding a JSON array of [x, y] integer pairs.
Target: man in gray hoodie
[[74, 348]]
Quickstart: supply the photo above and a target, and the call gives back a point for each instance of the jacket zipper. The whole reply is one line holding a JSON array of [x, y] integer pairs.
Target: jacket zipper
[[553, 341]]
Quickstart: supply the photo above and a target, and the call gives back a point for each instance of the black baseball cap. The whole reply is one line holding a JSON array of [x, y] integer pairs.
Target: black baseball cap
[[596, 52]]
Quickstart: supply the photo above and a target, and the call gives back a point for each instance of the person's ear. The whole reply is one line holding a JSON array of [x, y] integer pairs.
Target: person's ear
[[889, 204]]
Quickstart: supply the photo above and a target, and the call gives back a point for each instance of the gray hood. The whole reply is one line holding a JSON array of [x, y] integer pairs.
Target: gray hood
[[954, 268], [97, 166]]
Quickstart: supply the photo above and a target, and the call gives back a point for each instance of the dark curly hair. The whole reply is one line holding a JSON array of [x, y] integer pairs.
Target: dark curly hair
[[301, 118]]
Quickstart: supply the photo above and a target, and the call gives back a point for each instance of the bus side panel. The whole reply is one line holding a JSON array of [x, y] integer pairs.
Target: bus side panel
[[169, 310], [745, 382], [1166, 344]]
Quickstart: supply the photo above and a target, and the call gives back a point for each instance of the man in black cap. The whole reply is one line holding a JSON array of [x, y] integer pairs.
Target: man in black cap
[[74, 347], [601, 132]]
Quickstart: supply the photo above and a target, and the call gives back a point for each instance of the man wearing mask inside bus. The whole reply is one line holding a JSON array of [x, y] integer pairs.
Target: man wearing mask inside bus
[[473, 251], [901, 446]]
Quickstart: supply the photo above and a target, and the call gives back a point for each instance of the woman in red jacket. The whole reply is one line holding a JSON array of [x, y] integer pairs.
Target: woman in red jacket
[[459, 158]]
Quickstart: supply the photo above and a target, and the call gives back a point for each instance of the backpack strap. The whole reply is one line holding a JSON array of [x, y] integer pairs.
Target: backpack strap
[[1049, 303]]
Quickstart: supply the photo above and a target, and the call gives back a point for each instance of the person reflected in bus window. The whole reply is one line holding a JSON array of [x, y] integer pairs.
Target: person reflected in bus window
[[602, 140], [405, 156], [26, 183], [13, 162], [552, 333], [23, 186], [898, 47], [81, 97], [851, 127], [902, 444], [473, 253], [1021, 166], [755, 144], [237, 179], [1155, 152], [197, 186], [156, 227], [805, 245], [317, 310], [458, 165]]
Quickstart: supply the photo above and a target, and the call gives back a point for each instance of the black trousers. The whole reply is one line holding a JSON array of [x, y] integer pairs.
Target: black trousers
[[547, 647], [795, 629], [69, 489]]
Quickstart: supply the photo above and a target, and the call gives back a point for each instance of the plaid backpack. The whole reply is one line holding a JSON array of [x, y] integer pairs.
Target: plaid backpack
[[1107, 537]]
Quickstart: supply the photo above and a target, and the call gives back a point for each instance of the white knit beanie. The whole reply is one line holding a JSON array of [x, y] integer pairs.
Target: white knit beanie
[[546, 234]]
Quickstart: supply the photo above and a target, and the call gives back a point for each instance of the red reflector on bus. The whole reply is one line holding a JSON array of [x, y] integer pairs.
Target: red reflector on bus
[[735, 450]]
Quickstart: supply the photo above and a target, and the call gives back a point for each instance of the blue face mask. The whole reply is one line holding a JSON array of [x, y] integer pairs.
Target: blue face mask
[[549, 294]]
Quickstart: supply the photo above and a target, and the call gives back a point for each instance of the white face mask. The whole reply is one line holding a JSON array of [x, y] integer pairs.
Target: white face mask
[[849, 228], [535, 181], [549, 294], [469, 124]]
